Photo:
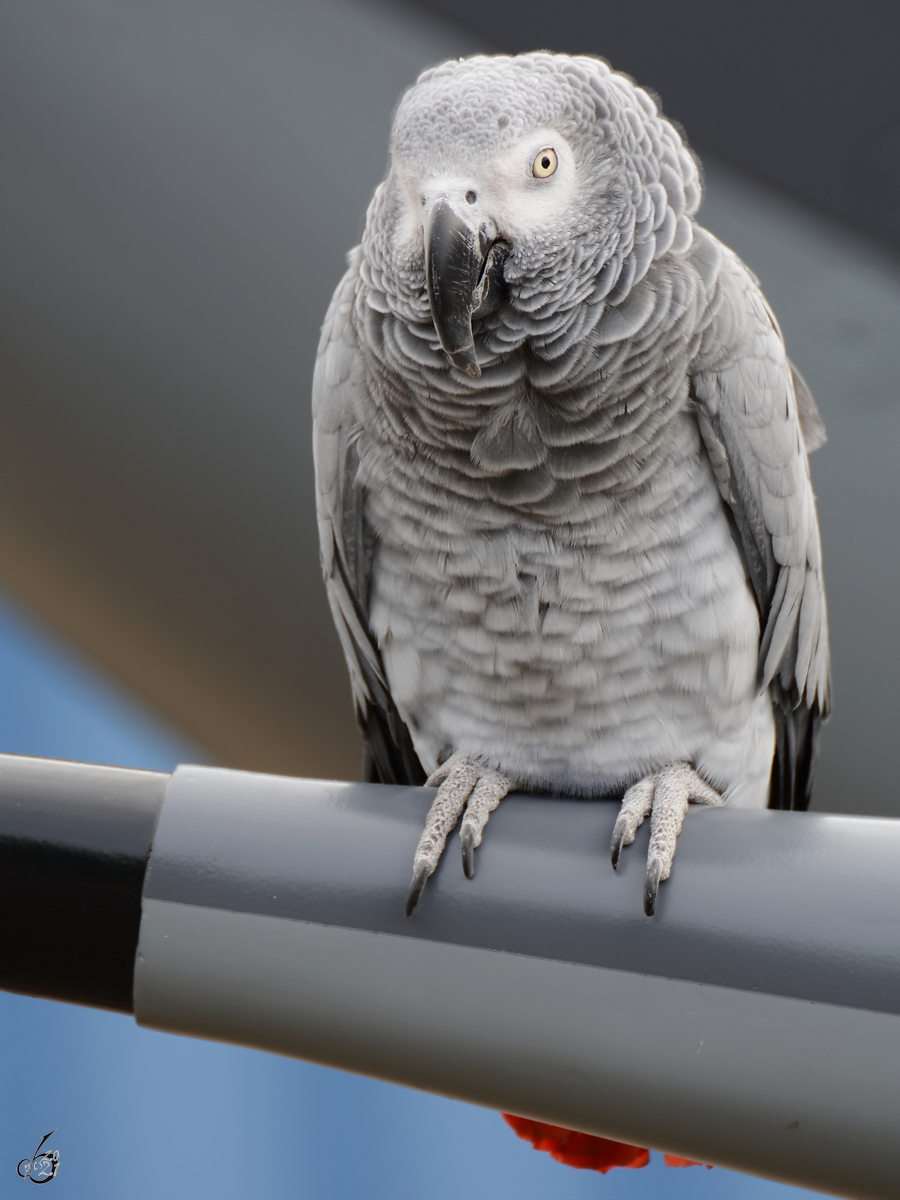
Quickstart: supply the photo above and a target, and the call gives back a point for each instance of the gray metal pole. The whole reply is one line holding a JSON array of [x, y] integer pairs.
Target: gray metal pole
[[754, 1022]]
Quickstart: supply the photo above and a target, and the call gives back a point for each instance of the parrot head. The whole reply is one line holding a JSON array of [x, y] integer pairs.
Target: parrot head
[[542, 181]]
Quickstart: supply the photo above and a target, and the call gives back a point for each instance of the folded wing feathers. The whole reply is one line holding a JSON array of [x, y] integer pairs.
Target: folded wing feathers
[[755, 407], [345, 543]]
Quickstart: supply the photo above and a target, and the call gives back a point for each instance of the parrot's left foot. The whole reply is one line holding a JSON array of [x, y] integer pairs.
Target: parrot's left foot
[[664, 796], [465, 783]]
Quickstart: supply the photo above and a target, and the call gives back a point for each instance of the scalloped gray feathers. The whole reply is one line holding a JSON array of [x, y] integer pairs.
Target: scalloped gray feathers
[[559, 288], [622, 330]]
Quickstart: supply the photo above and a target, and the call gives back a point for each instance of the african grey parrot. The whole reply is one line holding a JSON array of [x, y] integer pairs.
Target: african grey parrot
[[567, 527]]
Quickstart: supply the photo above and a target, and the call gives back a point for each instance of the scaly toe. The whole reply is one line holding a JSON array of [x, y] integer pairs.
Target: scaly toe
[[486, 795], [636, 804], [419, 879], [676, 786], [620, 829], [467, 838], [651, 884], [446, 807]]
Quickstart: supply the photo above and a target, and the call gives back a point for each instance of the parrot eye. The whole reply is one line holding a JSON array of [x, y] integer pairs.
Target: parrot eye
[[545, 163]]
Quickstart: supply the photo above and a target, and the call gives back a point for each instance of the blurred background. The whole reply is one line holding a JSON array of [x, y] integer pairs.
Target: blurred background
[[180, 182]]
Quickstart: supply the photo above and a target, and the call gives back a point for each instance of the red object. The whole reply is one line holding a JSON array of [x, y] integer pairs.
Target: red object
[[583, 1150], [672, 1160]]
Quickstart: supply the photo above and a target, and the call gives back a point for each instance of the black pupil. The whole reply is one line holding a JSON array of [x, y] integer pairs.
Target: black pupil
[[545, 162]]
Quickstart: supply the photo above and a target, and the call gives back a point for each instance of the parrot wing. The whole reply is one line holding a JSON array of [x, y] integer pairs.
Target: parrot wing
[[756, 417], [347, 541]]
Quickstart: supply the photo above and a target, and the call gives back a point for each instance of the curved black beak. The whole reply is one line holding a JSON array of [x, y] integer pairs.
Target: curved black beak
[[463, 273]]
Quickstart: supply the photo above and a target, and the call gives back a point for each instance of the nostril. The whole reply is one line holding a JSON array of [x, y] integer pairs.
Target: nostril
[[471, 197], [422, 198]]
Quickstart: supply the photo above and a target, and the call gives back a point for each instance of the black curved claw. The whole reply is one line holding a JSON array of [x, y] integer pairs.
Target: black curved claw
[[618, 839], [467, 837], [419, 879], [651, 885]]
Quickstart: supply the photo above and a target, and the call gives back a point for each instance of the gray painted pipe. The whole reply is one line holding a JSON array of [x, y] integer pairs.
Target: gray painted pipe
[[753, 1022]]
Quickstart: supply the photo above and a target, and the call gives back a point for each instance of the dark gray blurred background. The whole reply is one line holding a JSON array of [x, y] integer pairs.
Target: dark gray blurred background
[[179, 182]]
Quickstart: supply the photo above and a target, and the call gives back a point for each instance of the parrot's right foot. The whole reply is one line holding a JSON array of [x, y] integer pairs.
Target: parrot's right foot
[[465, 783]]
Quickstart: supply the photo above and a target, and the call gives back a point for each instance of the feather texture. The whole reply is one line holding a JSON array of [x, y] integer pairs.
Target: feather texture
[[601, 555]]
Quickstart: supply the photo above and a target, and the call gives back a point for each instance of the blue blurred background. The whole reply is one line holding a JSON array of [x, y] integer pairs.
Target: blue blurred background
[[141, 1115]]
